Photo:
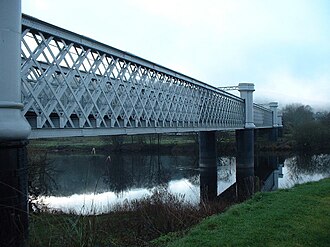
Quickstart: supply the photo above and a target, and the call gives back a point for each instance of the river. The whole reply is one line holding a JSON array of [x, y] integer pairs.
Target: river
[[92, 184]]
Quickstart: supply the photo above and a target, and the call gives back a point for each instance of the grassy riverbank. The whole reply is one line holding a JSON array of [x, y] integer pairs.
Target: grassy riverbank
[[294, 217]]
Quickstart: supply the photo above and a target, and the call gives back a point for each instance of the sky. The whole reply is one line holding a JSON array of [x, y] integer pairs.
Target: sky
[[282, 46]]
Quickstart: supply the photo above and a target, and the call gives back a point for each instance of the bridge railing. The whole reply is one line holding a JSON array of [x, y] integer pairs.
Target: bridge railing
[[84, 87], [262, 116]]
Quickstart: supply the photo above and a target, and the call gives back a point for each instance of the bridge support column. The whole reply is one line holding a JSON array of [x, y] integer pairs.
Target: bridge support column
[[245, 137], [14, 130], [208, 165], [207, 149], [273, 134], [245, 183], [245, 146], [245, 179], [208, 183]]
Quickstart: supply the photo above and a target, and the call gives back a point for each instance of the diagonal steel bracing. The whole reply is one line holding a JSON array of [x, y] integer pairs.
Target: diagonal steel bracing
[[73, 85]]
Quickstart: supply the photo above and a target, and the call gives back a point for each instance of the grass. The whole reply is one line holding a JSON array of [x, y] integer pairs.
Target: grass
[[294, 217]]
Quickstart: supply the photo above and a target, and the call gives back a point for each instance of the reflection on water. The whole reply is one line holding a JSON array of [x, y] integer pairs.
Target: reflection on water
[[93, 183], [304, 168]]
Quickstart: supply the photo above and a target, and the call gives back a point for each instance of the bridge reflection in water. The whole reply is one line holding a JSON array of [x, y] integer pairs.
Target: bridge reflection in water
[[263, 176], [86, 184]]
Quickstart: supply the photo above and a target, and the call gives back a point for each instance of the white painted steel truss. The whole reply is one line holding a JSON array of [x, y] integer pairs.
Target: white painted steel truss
[[75, 86]]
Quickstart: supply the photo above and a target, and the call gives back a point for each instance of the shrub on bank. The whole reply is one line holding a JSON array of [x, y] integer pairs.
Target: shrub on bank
[[132, 223]]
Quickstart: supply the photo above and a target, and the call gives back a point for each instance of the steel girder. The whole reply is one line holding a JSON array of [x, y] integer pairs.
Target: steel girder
[[81, 86]]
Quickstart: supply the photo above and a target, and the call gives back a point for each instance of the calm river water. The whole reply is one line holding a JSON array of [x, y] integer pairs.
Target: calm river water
[[93, 183]]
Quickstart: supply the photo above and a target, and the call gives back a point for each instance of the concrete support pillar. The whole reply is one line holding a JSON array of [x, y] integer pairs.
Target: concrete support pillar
[[245, 183], [273, 134], [207, 149], [14, 130], [208, 184], [245, 148], [245, 180], [208, 165], [274, 162], [246, 92]]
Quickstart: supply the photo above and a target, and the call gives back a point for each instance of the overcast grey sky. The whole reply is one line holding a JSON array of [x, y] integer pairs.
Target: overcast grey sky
[[283, 46]]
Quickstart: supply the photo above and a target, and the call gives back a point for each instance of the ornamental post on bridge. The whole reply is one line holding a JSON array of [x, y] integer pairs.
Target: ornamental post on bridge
[[280, 125], [14, 131], [245, 146], [245, 137], [274, 130]]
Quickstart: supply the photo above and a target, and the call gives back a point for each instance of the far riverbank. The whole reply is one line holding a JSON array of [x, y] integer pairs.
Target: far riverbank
[[152, 144]]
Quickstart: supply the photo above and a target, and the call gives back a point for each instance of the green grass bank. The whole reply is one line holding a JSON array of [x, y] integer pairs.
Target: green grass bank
[[299, 216]]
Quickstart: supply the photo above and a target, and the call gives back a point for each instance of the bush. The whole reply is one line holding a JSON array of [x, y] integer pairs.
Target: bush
[[312, 136], [132, 223], [308, 130]]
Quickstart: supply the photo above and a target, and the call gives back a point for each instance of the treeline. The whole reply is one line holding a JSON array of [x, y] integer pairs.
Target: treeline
[[307, 129]]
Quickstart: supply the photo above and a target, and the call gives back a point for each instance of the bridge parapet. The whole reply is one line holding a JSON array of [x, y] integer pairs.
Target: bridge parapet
[[262, 116]]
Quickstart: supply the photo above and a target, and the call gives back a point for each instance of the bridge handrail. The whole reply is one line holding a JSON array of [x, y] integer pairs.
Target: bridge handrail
[[263, 117], [261, 107]]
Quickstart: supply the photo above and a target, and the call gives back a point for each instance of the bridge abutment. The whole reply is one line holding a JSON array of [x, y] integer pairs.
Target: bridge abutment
[[14, 131]]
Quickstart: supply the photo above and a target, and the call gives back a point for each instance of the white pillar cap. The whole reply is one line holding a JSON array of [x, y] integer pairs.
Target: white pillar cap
[[246, 86], [273, 104]]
